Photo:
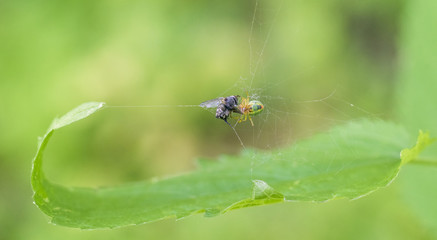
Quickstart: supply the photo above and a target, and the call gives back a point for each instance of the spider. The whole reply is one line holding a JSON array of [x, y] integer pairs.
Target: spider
[[249, 108], [227, 105]]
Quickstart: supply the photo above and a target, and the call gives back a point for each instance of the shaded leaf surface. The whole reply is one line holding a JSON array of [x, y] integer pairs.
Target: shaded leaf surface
[[348, 161]]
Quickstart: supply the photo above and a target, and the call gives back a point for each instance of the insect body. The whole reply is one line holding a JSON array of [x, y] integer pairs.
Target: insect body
[[226, 106]]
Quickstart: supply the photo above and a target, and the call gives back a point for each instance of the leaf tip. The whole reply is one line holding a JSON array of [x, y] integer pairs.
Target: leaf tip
[[80, 112], [423, 141]]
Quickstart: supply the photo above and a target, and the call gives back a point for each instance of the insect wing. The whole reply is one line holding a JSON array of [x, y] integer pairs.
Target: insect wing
[[213, 103]]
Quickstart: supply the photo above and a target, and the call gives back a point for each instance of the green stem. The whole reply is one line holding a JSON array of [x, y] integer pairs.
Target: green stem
[[424, 161]]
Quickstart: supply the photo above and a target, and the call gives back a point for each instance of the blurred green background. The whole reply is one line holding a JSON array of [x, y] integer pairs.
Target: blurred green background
[[55, 55]]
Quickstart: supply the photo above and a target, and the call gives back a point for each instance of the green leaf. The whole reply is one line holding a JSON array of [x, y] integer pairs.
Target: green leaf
[[416, 104], [348, 161]]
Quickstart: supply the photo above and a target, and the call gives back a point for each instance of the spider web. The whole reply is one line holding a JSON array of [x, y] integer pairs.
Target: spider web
[[289, 114], [294, 109], [284, 119]]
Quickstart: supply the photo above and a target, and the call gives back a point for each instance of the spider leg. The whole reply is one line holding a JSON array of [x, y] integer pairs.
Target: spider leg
[[242, 119], [250, 120], [235, 117], [238, 120]]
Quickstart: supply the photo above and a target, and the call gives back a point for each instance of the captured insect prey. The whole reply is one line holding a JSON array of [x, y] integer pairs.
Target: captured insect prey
[[228, 105]]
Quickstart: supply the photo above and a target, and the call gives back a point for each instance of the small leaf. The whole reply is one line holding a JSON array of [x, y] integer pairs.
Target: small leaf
[[348, 161]]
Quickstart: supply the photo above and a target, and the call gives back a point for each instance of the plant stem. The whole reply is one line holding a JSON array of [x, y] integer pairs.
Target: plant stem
[[424, 161]]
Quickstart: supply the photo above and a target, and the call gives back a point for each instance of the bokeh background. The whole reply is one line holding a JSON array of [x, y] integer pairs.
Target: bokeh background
[[55, 55]]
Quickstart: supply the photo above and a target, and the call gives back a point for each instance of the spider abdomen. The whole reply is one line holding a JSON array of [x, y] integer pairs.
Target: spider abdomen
[[255, 107]]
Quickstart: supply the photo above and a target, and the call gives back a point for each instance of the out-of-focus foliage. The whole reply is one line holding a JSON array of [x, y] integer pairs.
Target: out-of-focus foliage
[[57, 54], [416, 104]]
